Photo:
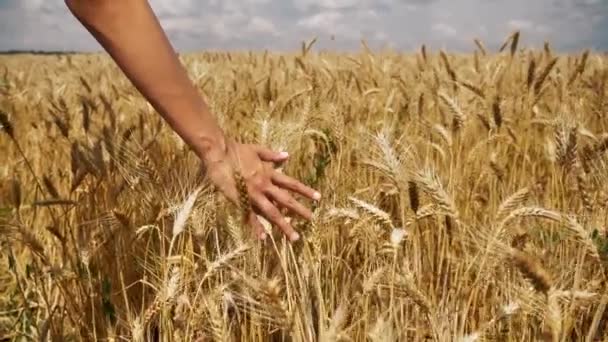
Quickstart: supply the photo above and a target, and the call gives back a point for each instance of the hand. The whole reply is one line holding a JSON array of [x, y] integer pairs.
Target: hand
[[264, 184]]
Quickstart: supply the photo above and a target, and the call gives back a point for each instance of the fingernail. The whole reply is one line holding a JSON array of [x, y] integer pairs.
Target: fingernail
[[284, 154], [263, 236], [295, 237], [316, 196]]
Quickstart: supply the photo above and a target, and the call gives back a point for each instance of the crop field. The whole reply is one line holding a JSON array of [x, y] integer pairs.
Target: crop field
[[465, 198]]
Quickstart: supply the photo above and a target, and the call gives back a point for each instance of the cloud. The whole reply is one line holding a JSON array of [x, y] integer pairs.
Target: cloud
[[528, 26], [326, 4], [324, 21], [262, 25], [283, 24], [444, 29]]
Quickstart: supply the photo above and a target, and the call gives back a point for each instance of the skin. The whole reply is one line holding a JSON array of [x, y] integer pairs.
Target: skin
[[130, 33]]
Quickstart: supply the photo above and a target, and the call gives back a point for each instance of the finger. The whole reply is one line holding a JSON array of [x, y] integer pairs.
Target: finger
[[257, 226], [270, 212], [269, 155], [289, 183], [287, 201]]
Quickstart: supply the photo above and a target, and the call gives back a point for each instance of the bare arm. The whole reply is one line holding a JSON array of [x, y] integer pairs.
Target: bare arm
[[130, 32]]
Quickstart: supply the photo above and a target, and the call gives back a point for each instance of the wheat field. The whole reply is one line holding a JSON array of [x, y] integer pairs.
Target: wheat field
[[464, 199]]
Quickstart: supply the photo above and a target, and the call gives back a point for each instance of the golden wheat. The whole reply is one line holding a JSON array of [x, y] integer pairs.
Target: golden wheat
[[464, 198]]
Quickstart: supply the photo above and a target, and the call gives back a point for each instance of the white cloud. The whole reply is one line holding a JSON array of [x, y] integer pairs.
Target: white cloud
[[517, 24], [261, 25], [179, 24], [445, 30], [172, 8], [324, 21], [527, 26], [325, 4], [281, 24], [32, 4]]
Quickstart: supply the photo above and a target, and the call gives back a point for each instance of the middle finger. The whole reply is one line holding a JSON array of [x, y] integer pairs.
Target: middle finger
[[287, 201], [290, 183]]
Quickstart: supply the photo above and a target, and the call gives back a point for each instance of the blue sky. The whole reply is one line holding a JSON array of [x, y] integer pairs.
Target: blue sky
[[569, 25]]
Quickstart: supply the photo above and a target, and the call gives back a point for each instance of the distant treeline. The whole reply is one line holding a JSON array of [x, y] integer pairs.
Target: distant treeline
[[39, 52]]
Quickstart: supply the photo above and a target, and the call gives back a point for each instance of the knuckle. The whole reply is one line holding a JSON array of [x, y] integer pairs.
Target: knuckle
[[266, 207], [274, 212], [277, 219], [292, 202], [258, 182]]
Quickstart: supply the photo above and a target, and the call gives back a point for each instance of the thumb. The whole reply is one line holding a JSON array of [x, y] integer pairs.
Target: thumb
[[269, 155]]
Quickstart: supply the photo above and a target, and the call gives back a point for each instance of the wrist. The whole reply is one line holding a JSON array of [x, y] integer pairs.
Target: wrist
[[211, 147], [200, 130]]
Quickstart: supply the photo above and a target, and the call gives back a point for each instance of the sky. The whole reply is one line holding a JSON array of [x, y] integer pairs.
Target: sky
[[281, 25]]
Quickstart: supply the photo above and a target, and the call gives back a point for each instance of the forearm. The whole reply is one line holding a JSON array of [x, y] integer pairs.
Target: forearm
[[129, 31]]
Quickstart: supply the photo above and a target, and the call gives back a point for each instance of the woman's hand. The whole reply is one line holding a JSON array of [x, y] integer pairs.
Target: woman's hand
[[131, 33], [264, 184]]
